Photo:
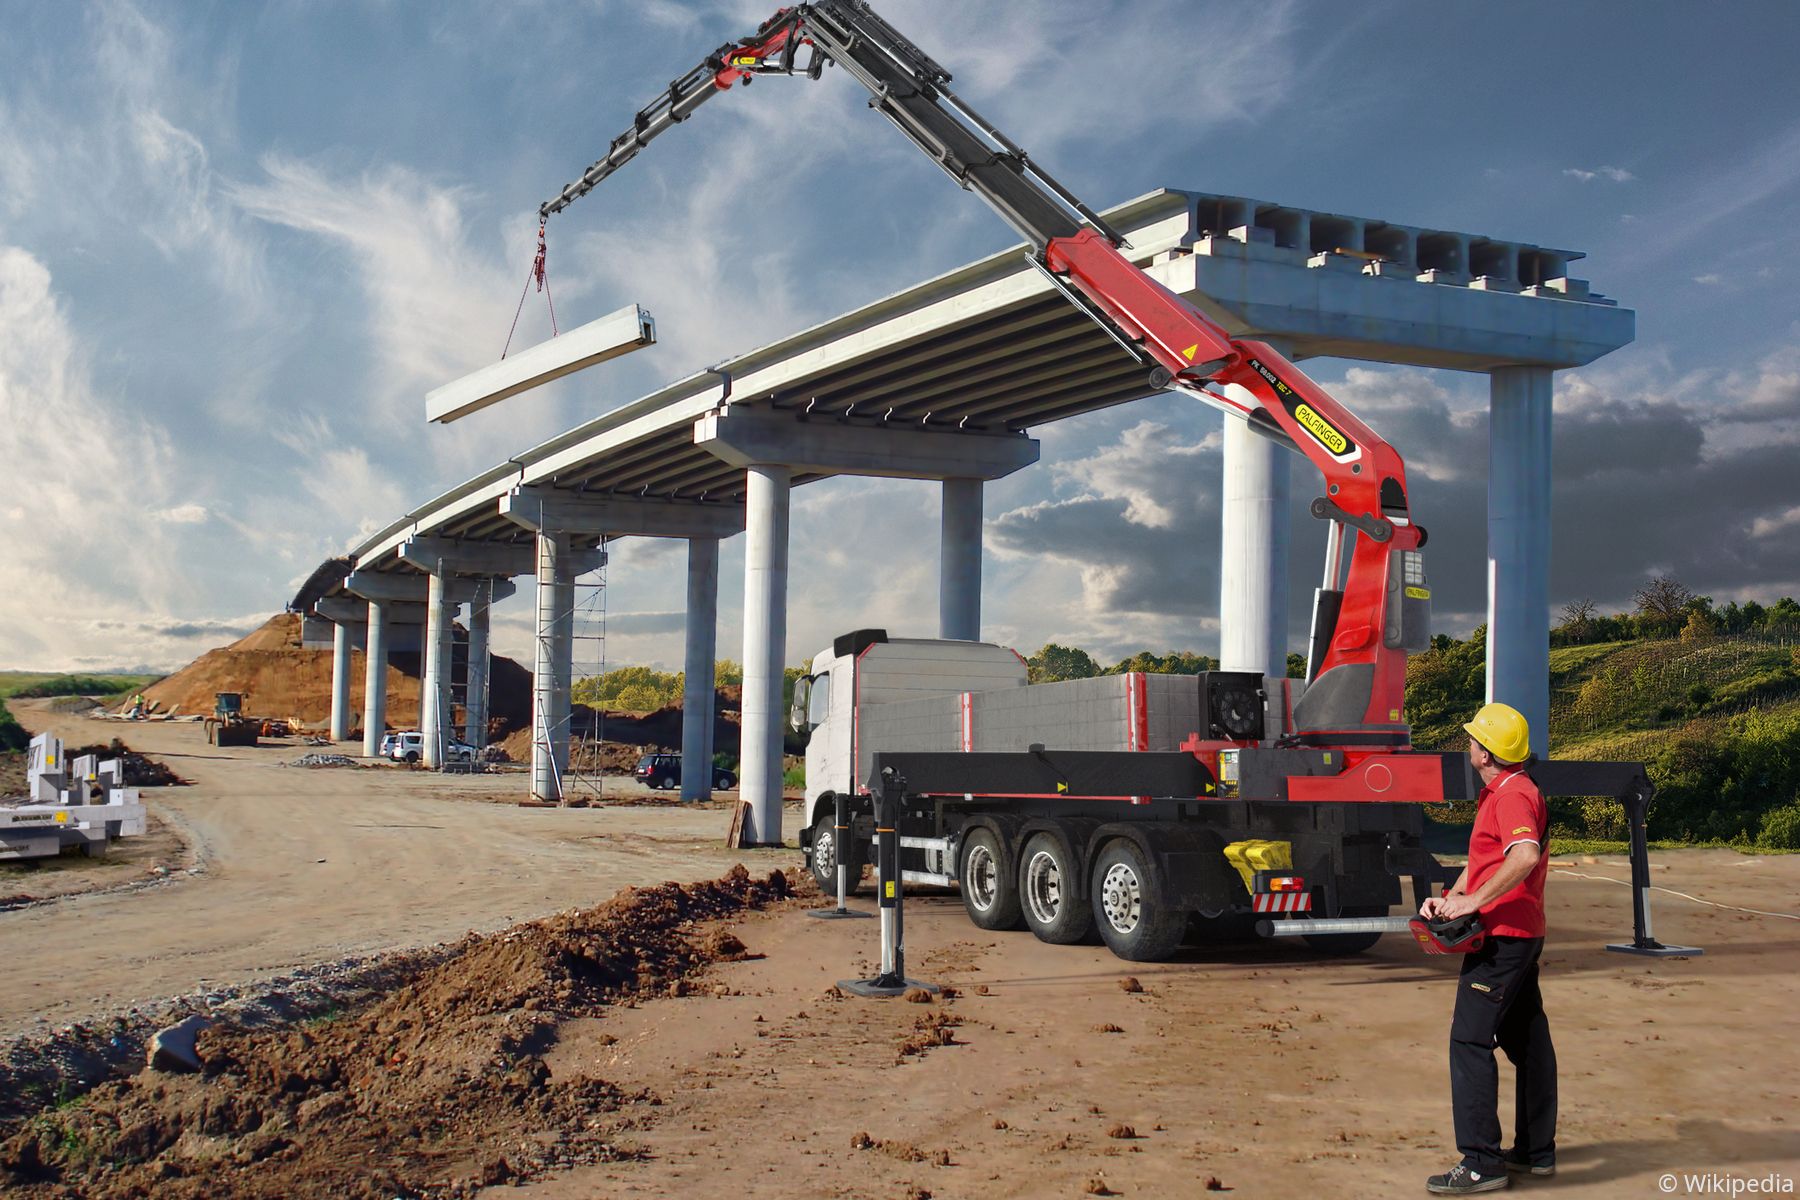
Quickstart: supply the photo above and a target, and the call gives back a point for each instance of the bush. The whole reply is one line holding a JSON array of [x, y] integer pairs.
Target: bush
[[12, 734], [794, 777], [1603, 819], [1719, 782], [1781, 828]]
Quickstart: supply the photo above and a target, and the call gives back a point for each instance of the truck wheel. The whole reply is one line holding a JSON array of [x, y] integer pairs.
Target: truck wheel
[[1128, 906], [822, 858], [989, 893], [1347, 943], [1047, 875]]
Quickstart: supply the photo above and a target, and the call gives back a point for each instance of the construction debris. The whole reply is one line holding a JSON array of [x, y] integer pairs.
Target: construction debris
[[322, 760], [174, 1049], [79, 802]]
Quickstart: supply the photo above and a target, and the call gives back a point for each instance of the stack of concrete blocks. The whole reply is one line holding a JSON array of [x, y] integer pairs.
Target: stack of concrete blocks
[[1076, 714], [61, 808]]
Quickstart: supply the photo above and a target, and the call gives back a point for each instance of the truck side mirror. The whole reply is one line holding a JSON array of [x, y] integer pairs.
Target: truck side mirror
[[797, 711]]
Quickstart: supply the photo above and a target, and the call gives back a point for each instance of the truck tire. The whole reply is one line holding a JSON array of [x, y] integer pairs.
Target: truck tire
[[1347, 943], [990, 892], [822, 856], [1047, 875], [1128, 907]]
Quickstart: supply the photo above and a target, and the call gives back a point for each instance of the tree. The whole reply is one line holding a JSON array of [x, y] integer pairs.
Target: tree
[[1700, 625], [1578, 620], [1662, 603], [1783, 616], [1054, 662], [1296, 666]]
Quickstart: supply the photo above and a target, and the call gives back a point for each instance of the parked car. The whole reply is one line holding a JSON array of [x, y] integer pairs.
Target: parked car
[[663, 772], [409, 746]]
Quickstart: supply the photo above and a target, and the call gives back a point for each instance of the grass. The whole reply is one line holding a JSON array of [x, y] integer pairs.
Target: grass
[[62, 683]]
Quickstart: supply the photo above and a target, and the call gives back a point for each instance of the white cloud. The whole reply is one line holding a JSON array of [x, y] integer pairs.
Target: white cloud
[[1612, 174], [182, 514]]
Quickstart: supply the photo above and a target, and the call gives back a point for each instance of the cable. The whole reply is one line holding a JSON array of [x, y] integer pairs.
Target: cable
[[1671, 891]]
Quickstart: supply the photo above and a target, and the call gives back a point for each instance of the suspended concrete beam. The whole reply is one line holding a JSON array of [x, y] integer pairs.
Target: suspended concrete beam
[[698, 682], [540, 508], [1519, 405], [959, 561], [615, 334], [746, 437]]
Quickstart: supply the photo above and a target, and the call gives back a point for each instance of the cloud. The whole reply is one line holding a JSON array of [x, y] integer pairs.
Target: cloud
[[181, 514], [1611, 174], [634, 624]]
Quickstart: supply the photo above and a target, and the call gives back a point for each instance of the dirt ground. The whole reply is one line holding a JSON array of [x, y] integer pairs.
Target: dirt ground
[[1268, 1069], [300, 866]]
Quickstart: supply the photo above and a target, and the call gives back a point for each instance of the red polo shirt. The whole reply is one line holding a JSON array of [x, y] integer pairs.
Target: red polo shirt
[[1510, 810]]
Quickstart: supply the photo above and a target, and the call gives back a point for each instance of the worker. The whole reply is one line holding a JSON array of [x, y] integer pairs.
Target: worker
[[1497, 996]]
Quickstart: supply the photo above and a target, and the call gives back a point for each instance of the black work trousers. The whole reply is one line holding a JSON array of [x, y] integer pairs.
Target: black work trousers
[[1498, 1003]]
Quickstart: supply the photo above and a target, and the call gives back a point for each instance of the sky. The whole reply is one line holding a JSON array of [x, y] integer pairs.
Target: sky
[[239, 242]]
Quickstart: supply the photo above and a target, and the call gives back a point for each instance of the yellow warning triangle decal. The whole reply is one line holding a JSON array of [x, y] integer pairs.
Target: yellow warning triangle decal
[[1062, 787], [1191, 351]]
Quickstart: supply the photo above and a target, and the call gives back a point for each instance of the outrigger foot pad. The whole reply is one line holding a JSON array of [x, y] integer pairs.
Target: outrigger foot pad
[[883, 987], [835, 914]]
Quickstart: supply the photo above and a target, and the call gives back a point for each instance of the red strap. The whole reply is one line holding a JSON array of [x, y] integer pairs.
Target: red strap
[[540, 272]]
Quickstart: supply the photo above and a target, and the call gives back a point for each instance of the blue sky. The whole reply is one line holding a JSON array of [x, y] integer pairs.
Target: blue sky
[[239, 242]]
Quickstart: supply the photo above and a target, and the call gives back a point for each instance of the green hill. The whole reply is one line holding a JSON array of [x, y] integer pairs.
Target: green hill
[[1715, 719]]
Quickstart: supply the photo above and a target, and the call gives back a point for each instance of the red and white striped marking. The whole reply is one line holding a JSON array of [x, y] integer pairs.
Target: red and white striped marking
[[968, 722], [1137, 717], [1265, 902]]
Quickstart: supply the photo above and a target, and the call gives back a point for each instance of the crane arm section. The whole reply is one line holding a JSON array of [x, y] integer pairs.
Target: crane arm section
[[1185, 349]]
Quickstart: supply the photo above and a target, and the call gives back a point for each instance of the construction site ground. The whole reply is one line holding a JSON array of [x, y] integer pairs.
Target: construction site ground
[[1051, 1071]]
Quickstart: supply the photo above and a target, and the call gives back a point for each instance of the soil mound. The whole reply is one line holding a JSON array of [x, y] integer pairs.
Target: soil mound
[[141, 771], [280, 678], [437, 1089]]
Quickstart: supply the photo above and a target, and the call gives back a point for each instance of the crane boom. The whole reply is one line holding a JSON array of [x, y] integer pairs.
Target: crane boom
[[1361, 629]]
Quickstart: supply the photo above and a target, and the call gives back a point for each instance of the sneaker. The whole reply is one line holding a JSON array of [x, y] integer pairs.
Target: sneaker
[[1461, 1181], [1517, 1161]]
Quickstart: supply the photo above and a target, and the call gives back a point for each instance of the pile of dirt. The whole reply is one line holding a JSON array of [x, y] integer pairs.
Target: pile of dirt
[[141, 771], [281, 678], [437, 1089]]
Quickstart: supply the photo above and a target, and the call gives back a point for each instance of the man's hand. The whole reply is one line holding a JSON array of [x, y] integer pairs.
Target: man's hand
[[1428, 910], [1452, 907]]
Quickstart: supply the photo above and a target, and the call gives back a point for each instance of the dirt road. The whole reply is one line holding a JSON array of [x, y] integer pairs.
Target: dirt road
[[1274, 1071], [302, 866]]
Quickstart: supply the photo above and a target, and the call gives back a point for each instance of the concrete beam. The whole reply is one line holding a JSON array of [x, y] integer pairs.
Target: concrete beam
[[765, 648], [1519, 446], [615, 334], [1253, 550], [341, 651], [475, 698], [349, 610], [414, 588], [959, 561], [375, 681], [747, 437], [546, 509], [469, 558]]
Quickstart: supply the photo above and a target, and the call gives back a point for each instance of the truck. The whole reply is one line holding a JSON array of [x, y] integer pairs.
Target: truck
[[1222, 846], [1300, 799]]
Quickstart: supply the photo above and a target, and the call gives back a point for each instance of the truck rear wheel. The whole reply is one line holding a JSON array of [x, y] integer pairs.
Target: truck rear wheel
[[1347, 943], [1128, 907], [990, 892], [1047, 875]]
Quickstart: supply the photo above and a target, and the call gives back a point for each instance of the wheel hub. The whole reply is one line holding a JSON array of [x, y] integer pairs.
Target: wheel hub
[[1121, 897], [1043, 887], [981, 876], [824, 851]]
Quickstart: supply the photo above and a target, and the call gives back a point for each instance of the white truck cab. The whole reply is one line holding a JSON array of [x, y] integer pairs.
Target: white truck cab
[[866, 668]]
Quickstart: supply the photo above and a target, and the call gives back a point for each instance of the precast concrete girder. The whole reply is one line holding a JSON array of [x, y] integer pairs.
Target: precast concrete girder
[[414, 588], [468, 557], [747, 437], [346, 610], [545, 509], [616, 333]]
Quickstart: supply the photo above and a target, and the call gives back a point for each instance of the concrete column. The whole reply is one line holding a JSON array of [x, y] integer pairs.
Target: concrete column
[[1518, 649], [475, 704], [697, 689], [434, 681], [375, 680], [1253, 550], [340, 682], [550, 676], [765, 648], [959, 561]]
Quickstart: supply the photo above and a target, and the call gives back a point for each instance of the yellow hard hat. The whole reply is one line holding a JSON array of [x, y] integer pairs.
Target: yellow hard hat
[[1503, 730]]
